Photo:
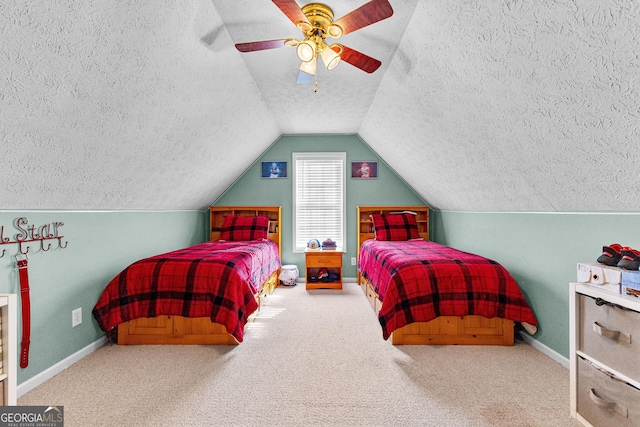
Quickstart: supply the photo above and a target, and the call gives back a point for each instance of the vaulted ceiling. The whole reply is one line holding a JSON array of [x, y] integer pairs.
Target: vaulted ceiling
[[478, 105]]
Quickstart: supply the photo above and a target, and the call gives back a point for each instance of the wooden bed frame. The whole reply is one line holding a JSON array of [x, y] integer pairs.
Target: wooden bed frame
[[201, 330], [444, 330]]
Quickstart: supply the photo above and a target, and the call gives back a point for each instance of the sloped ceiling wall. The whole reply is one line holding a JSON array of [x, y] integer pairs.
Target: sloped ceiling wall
[[515, 105], [122, 105], [482, 105]]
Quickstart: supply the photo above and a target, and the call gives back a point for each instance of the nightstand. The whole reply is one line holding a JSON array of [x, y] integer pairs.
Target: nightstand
[[329, 261]]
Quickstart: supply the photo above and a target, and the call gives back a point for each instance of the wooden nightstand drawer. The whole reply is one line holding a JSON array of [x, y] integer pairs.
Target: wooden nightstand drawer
[[610, 334], [324, 260]]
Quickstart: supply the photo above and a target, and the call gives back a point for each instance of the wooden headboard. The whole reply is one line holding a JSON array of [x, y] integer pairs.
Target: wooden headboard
[[274, 213], [365, 225]]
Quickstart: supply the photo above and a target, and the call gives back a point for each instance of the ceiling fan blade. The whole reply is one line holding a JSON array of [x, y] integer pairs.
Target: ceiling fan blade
[[261, 45], [292, 10], [358, 59], [367, 14]]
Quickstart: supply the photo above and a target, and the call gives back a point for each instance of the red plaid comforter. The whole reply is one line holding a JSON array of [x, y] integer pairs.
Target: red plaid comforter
[[214, 279], [419, 280]]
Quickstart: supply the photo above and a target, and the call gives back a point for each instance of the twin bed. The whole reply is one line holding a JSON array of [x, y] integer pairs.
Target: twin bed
[[422, 292], [426, 293], [204, 294]]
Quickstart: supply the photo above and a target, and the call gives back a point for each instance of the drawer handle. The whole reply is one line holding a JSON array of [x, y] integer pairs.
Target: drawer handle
[[611, 334], [606, 404]]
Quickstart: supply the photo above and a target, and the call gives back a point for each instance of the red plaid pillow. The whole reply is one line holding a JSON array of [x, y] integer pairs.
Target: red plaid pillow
[[397, 226], [244, 228]]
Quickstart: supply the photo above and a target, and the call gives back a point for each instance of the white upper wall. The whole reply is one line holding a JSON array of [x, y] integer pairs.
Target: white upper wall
[[479, 105], [515, 105], [123, 105]]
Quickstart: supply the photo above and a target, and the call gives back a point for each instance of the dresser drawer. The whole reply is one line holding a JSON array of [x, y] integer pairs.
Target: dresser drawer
[[610, 334], [605, 400], [324, 260]]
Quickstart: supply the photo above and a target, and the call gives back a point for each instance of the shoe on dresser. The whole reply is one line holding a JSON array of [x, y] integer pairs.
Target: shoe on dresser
[[611, 255], [630, 259]]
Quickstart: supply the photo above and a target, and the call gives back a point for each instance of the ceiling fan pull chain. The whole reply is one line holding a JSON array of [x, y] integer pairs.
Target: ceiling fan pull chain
[[315, 89]]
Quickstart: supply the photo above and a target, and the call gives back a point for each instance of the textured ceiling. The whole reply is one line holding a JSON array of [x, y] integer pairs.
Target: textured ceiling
[[478, 105], [515, 105], [120, 105]]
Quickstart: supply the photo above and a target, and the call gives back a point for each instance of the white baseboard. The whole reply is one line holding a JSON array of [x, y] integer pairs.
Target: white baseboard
[[545, 350], [47, 374]]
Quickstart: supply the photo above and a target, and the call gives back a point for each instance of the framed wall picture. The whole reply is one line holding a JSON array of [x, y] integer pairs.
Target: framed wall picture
[[364, 170], [274, 170]]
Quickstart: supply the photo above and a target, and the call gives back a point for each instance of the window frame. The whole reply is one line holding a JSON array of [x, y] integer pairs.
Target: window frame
[[329, 156]]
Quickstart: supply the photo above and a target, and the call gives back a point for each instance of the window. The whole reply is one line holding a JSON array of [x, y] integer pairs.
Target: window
[[318, 198]]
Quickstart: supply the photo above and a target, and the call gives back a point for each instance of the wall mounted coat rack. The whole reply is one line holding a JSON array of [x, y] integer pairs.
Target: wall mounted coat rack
[[30, 233]]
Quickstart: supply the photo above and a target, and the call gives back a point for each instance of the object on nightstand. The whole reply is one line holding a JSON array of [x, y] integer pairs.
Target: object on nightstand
[[329, 245], [313, 245]]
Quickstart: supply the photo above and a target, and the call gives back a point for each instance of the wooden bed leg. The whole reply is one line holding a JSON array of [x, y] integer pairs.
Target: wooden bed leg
[[396, 337], [509, 332]]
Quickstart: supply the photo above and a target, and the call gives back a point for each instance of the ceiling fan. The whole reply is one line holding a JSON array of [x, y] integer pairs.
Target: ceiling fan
[[315, 20]]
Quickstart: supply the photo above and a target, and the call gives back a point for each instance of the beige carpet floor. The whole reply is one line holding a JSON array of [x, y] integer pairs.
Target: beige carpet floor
[[311, 358]]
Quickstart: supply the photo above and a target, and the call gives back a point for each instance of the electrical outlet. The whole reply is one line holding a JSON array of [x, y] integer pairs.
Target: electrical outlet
[[353, 261], [76, 317]]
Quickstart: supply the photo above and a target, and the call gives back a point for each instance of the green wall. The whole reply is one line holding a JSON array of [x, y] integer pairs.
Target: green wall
[[251, 189], [541, 251], [99, 246]]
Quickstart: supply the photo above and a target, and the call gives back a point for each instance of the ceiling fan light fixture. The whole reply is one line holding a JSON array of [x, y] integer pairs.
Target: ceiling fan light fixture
[[303, 26], [337, 48], [309, 67], [334, 31], [306, 50], [330, 58]]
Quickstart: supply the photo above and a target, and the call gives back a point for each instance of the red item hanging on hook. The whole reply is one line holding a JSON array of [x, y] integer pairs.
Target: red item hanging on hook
[[23, 274]]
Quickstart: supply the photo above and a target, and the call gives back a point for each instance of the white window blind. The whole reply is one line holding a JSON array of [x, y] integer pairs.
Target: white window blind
[[318, 198]]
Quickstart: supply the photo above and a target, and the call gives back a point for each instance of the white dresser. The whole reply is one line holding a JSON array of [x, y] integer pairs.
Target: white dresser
[[604, 357], [8, 349]]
